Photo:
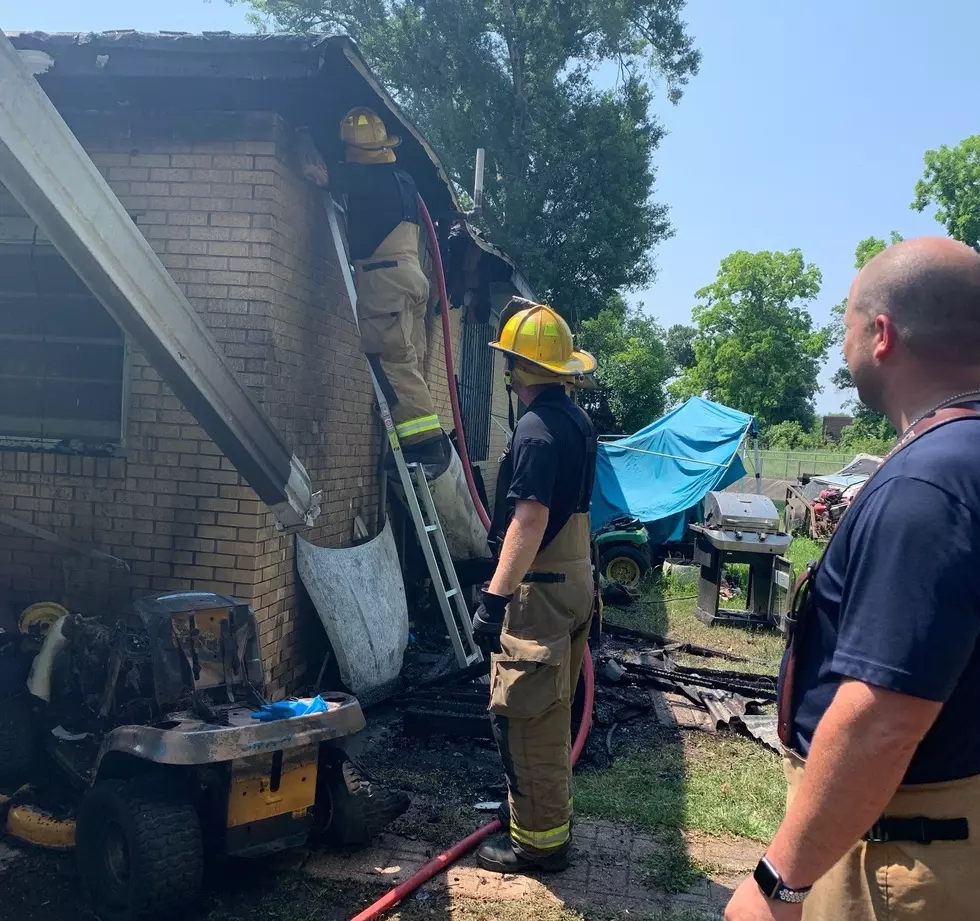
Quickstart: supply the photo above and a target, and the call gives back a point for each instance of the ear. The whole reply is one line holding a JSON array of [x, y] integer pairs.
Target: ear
[[885, 337]]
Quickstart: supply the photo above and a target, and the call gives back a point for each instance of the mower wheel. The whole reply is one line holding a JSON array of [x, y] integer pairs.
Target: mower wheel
[[138, 848], [351, 807], [16, 740], [626, 564]]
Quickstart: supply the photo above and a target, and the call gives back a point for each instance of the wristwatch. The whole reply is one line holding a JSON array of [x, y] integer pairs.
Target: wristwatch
[[774, 888]]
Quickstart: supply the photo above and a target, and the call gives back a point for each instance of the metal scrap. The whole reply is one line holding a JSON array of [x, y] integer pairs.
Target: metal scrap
[[666, 644], [763, 728], [690, 698]]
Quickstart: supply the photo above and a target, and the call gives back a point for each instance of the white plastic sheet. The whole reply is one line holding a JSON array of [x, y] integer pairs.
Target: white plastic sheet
[[466, 536], [360, 598]]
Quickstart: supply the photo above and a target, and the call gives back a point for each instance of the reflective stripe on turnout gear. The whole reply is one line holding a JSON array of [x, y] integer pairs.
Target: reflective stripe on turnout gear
[[540, 840], [417, 426]]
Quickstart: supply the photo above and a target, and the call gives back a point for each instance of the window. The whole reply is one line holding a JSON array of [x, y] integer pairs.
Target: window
[[63, 360], [476, 387]]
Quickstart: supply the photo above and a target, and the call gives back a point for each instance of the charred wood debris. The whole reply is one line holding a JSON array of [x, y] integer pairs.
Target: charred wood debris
[[638, 674]]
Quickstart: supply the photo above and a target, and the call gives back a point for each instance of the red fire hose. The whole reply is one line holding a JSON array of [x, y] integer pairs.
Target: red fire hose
[[462, 848], [447, 342]]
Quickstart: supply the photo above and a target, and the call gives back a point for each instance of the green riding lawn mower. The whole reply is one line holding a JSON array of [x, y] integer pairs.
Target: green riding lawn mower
[[152, 751], [625, 552]]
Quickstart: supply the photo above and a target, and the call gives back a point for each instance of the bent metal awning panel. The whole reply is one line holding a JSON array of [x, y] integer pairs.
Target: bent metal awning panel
[[45, 168]]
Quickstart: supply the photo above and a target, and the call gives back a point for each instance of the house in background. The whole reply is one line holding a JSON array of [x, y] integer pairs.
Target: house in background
[[833, 426], [195, 135]]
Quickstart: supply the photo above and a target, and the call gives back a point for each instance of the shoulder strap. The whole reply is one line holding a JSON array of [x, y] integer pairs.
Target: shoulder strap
[[930, 423]]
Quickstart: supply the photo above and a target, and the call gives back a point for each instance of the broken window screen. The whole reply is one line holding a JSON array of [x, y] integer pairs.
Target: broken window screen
[[476, 387], [62, 357]]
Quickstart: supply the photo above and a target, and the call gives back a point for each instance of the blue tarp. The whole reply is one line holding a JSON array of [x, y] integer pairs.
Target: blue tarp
[[663, 472]]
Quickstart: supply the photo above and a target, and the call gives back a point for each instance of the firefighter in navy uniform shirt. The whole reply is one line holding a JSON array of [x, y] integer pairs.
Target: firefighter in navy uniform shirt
[[880, 687]]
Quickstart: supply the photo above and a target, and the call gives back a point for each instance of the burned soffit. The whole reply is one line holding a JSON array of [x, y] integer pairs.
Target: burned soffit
[[309, 80]]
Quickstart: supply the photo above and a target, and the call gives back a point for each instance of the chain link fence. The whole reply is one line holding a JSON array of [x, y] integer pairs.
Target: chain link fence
[[781, 468]]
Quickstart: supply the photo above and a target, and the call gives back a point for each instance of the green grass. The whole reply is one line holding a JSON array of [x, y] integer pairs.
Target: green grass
[[719, 785], [667, 608], [673, 870], [802, 551]]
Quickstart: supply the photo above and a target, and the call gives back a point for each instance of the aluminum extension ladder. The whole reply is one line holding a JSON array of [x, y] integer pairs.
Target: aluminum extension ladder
[[418, 496]]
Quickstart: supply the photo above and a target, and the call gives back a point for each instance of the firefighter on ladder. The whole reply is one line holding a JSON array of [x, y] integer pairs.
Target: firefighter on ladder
[[392, 290], [536, 612]]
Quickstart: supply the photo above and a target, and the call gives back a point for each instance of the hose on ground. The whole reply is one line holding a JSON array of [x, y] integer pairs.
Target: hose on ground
[[462, 848]]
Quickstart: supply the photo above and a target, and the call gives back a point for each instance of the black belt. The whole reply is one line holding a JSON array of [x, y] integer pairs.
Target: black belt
[[918, 829], [549, 578], [372, 266]]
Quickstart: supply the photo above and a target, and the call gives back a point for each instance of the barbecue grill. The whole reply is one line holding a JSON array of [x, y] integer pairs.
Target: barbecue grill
[[741, 528]]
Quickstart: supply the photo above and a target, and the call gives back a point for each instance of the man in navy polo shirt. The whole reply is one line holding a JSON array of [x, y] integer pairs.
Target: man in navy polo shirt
[[880, 702]]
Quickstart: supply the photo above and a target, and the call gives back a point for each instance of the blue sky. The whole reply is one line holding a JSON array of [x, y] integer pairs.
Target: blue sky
[[805, 128]]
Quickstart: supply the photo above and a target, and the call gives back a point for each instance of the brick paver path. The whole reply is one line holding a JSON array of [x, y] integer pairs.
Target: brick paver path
[[606, 873]]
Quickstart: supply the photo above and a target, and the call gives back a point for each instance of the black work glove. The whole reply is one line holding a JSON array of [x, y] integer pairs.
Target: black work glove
[[488, 622]]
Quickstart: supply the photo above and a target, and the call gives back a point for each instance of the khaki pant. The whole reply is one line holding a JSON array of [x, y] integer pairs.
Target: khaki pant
[[532, 683], [898, 880], [391, 305]]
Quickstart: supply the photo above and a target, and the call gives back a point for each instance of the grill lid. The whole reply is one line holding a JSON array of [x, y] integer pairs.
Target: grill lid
[[730, 511]]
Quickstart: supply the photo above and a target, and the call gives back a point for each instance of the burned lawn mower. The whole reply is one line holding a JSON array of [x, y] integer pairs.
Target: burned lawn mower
[[164, 744]]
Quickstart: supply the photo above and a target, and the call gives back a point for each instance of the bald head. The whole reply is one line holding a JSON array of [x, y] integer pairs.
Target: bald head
[[930, 289]]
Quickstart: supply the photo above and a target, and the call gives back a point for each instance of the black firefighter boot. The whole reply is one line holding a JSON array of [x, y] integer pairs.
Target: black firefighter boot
[[433, 454], [498, 856]]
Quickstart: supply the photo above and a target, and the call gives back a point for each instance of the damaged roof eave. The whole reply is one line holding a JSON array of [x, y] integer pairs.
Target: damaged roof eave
[[88, 70], [214, 56], [353, 54]]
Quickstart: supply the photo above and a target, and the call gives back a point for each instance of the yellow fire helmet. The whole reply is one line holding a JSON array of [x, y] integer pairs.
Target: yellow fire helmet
[[540, 339], [366, 137]]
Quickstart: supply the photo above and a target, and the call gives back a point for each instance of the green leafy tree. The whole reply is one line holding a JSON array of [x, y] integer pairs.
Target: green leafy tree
[[633, 368], [951, 183], [680, 346], [792, 436], [868, 424], [756, 347], [569, 167]]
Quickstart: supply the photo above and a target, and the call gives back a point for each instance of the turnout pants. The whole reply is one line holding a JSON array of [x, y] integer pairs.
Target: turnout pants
[[903, 879], [392, 294], [532, 683]]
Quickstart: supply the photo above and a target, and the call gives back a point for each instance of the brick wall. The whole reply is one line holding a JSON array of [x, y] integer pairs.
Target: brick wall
[[246, 239]]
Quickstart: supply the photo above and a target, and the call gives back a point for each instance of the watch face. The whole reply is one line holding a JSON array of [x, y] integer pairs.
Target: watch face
[[767, 879]]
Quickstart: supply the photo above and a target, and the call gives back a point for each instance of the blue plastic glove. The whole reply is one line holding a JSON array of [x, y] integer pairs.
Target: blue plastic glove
[[290, 708]]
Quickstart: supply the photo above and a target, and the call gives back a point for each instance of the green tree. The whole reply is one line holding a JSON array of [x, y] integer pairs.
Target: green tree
[[756, 347], [680, 346], [951, 183], [633, 368], [868, 424], [569, 167], [792, 436]]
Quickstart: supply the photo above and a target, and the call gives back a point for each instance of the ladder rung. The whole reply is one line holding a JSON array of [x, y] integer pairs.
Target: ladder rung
[[452, 593], [431, 528]]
